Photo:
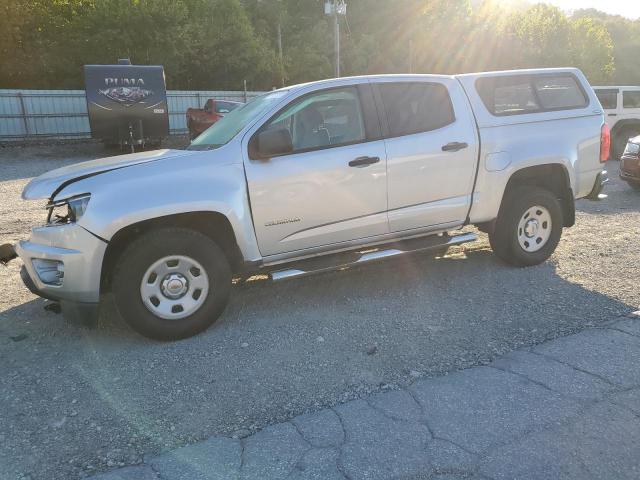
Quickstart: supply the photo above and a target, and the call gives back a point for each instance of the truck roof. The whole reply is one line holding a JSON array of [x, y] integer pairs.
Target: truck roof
[[484, 117], [611, 87], [422, 76]]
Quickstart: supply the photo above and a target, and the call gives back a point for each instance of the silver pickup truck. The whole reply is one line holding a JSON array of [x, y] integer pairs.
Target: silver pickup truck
[[317, 177]]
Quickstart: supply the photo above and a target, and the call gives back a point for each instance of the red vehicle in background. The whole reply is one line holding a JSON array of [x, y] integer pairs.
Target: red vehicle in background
[[199, 119], [630, 163]]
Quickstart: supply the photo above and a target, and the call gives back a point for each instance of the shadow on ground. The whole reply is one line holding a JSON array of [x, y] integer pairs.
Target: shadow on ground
[[80, 400]]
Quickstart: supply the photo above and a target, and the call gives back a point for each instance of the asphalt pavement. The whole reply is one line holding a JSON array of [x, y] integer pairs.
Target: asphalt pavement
[[78, 401], [565, 409]]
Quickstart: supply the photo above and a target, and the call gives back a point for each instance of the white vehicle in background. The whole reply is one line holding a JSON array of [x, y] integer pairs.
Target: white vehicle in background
[[622, 110]]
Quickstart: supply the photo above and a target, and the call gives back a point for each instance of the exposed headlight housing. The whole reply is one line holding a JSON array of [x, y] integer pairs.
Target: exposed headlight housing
[[50, 272], [69, 210], [632, 149]]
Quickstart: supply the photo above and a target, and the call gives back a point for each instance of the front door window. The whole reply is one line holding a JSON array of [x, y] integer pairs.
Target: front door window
[[323, 120]]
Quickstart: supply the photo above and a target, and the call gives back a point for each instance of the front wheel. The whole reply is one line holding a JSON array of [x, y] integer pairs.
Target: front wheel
[[528, 227], [171, 283]]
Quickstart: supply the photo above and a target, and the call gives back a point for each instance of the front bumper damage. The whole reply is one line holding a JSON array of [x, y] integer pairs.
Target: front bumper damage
[[69, 275]]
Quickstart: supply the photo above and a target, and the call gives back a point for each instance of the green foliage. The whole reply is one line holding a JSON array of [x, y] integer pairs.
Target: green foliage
[[625, 36], [216, 44], [15, 16]]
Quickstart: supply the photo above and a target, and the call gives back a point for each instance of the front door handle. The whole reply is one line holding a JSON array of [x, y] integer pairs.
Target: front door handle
[[363, 161], [454, 146]]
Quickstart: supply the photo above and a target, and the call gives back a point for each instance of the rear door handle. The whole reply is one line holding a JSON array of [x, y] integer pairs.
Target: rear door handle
[[363, 161], [454, 146]]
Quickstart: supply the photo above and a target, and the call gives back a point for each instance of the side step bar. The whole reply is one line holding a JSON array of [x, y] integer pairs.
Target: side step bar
[[343, 260]]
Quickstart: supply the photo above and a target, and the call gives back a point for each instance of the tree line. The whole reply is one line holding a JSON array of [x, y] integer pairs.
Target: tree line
[[218, 44]]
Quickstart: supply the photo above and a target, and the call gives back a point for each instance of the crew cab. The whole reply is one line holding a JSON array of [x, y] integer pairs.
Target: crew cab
[[622, 109], [199, 119], [316, 177]]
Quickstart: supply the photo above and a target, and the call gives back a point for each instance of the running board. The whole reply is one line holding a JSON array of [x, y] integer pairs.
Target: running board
[[366, 255]]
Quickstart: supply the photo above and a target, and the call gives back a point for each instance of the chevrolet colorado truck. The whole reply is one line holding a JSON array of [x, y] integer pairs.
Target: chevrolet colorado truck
[[316, 177]]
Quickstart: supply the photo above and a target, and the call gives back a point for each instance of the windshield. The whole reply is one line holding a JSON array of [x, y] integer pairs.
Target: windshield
[[228, 127]]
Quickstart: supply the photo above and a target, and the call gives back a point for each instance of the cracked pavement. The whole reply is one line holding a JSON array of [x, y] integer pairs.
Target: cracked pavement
[[565, 409], [77, 401]]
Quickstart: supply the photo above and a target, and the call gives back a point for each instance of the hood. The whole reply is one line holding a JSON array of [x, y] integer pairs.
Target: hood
[[50, 183]]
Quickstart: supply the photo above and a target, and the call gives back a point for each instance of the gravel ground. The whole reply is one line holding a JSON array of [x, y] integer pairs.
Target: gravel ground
[[76, 401]]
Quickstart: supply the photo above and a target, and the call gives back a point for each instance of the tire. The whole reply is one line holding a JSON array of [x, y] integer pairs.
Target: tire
[[172, 265], [517, 220]]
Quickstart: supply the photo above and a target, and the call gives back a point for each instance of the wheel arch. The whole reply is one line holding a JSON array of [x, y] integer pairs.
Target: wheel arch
[[553, 177], [214, 225]]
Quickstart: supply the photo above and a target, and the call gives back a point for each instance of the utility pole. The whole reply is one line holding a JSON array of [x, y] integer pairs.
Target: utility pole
[[280, 56], [336, 39], [334, 8]]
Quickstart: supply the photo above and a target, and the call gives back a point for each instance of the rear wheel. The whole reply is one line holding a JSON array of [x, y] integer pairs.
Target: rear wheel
[[171, 284], [528, 227]]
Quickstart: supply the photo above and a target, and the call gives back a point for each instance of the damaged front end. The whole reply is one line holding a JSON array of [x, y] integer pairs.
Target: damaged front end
[[61, 261]]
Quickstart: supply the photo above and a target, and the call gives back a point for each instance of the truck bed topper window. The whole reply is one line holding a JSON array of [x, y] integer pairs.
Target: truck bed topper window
[[523, 94]]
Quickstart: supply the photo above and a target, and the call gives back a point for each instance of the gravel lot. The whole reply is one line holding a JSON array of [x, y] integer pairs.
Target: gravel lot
[[76, 401]]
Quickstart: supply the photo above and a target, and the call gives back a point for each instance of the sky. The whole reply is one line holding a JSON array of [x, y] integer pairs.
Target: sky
[[627, 8]]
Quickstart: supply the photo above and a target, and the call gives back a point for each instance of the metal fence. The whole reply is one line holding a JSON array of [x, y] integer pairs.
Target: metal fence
[[26, 114]]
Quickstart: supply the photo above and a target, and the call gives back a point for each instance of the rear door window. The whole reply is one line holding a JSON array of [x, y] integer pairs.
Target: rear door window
[[416, 107], [608, 98], [522, 94], [631, 99]]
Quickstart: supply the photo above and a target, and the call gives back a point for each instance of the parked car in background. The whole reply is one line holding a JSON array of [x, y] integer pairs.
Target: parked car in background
[[622, 110], [199, 119], [315, 177], [630, 163]]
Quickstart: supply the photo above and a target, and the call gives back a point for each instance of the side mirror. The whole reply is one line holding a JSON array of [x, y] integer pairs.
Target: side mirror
[[272, 143]]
